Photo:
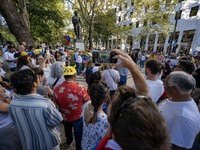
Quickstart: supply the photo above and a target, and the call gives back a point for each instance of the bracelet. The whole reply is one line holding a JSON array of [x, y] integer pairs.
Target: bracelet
[[5, 98]]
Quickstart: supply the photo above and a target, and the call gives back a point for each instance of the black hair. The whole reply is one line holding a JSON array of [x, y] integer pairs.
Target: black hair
[[98, 95], [38, 71], [22, 81]]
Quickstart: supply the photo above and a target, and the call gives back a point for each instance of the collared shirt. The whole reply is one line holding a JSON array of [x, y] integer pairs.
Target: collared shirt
[[70, 97], [36, 119]]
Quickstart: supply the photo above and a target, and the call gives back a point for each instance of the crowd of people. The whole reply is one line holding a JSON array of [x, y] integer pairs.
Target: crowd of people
[[39, 93]]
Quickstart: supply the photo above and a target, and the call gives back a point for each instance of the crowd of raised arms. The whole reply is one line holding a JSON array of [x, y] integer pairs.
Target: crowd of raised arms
[[145, 101]]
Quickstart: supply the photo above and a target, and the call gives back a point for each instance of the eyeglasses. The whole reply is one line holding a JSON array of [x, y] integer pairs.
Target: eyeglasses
[[129, 101]]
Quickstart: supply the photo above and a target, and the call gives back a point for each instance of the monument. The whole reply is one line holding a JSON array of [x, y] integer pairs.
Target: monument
[[77, 23]]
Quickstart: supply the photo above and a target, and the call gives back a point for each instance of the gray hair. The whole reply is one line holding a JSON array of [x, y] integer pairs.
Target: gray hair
[[184, 82], [56, 70]]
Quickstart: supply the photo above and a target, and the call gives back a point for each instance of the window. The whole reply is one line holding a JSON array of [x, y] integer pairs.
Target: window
[[130, 24], [188, 36], [178, 15], [120, 8], [137, 24], [194, 11], [131, 13]]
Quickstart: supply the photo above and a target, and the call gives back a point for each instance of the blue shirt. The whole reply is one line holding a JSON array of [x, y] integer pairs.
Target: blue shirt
[[36, 119]]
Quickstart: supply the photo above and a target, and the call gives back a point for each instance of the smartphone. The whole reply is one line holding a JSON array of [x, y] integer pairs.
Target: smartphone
[[102, 57]]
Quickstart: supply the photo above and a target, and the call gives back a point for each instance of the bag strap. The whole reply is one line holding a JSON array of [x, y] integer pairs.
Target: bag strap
[[55, 82], [112, 76]]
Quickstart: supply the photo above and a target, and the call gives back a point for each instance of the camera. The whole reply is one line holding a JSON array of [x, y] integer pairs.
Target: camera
[[101, 57]]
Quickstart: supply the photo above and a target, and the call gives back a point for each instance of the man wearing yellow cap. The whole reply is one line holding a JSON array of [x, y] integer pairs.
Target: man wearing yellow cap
[[70, 98]]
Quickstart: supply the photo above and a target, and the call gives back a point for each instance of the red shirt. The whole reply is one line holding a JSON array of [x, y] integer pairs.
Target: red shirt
[[70, 97]]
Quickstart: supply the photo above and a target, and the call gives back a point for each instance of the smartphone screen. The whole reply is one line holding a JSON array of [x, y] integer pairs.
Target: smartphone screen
[[101, 57]]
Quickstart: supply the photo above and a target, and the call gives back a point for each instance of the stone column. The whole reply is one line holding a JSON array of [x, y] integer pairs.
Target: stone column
[[166, 43], [179, 40], [155, 43], [147, 43]]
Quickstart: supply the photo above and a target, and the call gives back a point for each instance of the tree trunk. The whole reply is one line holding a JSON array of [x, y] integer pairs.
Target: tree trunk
[[15, 22], [90, 37], [21, 5]]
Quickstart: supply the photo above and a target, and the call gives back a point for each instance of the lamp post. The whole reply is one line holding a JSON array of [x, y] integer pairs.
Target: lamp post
[[173, 40]]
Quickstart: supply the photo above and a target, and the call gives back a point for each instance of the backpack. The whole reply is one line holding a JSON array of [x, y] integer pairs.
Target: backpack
[[88, 73]]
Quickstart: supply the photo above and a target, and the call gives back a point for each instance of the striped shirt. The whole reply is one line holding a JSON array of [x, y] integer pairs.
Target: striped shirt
[[36, 119]]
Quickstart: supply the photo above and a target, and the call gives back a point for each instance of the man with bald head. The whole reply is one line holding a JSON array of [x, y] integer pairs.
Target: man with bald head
[[20, 49]]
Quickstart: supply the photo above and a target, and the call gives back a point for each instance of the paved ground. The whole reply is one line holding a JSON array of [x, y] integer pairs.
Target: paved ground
[[81, 81]]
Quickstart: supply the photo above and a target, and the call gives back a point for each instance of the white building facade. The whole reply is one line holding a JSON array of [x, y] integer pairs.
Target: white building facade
[[185, 37]]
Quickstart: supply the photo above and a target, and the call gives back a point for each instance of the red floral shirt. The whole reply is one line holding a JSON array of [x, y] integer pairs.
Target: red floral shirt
[[70, 97]]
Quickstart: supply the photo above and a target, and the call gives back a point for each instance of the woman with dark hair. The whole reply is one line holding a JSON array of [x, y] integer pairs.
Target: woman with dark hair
[[95, 77], [95, 122]]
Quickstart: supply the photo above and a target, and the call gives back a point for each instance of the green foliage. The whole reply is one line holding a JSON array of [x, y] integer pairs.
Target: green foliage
[[4, 32], [156, 13], [6, 35], [47, 20], [104, 25]]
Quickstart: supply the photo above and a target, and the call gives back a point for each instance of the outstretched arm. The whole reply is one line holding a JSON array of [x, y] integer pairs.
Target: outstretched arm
[[138, 78]]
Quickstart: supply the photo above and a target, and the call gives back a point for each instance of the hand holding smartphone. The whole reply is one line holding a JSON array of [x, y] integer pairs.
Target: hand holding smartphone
[[101, 57]]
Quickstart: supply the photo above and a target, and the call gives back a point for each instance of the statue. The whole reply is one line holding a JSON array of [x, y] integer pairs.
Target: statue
[[76, 22]]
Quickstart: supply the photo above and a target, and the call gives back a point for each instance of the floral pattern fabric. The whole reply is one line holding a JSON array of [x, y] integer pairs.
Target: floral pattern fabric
[[94, 133]]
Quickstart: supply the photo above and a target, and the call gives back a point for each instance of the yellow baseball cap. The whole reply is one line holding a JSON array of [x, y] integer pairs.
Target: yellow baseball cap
[[69, 70], [24, 53]]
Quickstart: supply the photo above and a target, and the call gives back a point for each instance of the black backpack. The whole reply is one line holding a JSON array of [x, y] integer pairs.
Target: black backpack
[[88, 73]]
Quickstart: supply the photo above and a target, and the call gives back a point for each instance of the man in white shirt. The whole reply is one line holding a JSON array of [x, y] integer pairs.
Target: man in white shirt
[[9, 56], [180, 112], [155, 86]]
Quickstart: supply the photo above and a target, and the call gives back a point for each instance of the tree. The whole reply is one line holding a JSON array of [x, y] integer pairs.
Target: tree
[[43, 21], [88, 9], [154, 15], [48, 19], [104, 25], [15, 22]]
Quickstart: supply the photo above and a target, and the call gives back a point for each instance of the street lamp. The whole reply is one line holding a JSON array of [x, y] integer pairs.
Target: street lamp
[[173, 40]]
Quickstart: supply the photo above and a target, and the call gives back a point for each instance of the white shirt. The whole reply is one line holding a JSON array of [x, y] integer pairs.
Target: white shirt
[[10, 56], [111, 80], [51, 81], [79, 59], [143, 58], [156, 89], [183, 121]]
